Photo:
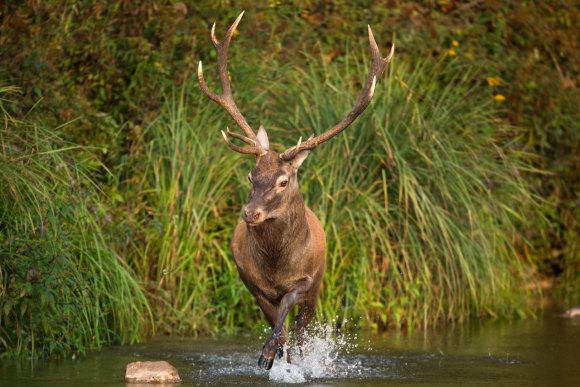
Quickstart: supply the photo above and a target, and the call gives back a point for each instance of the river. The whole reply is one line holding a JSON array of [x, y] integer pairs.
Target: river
[[536, 352]]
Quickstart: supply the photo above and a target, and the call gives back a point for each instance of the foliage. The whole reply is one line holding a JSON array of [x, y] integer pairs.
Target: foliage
[[185, 195], [103, 61], [419, 199], [442, 225], [62, 289], [420, 224]]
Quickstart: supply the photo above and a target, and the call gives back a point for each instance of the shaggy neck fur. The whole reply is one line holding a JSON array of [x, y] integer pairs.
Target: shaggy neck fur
[[279, 238]]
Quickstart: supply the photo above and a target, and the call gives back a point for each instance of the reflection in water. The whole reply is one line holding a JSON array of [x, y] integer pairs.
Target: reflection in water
[[531, 352]]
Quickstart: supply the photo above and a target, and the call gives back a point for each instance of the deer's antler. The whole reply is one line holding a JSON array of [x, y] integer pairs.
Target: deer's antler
[[226, 100], [378, 66]]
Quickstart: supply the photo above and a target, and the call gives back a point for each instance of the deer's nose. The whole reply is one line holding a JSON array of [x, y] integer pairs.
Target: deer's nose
[[252, 215]]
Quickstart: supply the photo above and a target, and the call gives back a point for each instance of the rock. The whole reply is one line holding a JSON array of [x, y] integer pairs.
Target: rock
[[151, 372], [573, 312]]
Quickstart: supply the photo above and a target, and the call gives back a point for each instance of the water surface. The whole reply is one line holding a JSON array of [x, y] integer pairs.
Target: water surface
[[543, 352]]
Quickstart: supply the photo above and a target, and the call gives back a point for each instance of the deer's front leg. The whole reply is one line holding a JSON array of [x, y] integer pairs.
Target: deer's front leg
[[288, 301], [272, 314]]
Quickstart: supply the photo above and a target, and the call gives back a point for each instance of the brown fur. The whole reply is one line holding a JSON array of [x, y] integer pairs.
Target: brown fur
[[280, 259], [279, 248]]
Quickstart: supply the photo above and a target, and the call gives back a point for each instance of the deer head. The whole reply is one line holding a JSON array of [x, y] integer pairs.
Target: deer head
[[274, 178], [275, 189]]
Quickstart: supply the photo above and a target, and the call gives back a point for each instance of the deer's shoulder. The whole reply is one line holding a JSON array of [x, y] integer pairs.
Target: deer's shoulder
[[317, 235]]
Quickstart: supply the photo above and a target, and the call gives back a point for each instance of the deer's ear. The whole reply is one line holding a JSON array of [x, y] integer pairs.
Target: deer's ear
[[299, 158], [263, 138]]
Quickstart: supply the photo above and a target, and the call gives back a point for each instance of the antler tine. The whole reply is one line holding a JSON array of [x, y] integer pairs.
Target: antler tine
[[378, 66], [226, 99], [222, 54], [245, 139], [248, 150]]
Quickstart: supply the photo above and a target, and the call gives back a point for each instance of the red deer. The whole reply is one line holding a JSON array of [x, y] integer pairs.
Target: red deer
[[280, 245]]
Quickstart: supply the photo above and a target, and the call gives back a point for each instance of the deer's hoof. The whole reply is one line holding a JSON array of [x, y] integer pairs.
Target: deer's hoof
[[265, 363]]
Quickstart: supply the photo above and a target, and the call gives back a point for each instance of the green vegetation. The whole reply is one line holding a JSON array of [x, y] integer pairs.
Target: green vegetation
[[62, 287], [452, 197], [185, 194], [419, 200]]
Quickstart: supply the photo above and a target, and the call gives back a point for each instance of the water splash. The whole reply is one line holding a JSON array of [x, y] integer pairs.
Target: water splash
[[322, 357]]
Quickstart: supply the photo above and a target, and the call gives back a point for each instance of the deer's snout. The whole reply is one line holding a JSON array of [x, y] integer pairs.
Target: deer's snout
[[252, 215]]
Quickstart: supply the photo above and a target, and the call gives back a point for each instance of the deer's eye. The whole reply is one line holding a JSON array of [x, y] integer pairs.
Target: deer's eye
[[250, 178], [283, 183]]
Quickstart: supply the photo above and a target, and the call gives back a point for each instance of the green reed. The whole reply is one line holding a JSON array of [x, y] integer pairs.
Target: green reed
[[62, 288], [421, 199], [187, 193]]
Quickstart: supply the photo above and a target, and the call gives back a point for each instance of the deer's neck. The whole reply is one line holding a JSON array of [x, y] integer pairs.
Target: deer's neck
[[281, 237]]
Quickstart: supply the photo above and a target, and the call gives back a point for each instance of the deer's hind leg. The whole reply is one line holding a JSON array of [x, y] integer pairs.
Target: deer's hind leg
[[305, 313]]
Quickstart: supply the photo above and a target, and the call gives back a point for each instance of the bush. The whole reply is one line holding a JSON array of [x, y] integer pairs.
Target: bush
[[62, 288], [440, 225]]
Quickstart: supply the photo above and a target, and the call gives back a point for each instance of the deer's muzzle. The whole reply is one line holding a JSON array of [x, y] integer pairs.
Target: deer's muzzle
[[252, 215]]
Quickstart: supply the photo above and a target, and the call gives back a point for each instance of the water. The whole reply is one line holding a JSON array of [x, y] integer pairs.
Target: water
[[542, 352]]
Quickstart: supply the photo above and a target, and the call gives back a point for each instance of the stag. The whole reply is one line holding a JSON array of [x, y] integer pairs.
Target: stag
[[280, 245]]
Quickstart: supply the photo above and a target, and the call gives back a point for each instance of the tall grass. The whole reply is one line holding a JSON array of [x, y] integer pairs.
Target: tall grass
[[62, 288], [187, 195], [421, 200]]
